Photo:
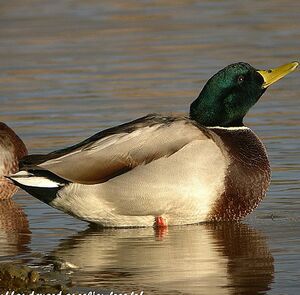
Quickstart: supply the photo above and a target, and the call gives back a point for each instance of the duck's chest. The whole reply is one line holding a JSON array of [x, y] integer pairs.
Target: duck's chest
[[248, 174]]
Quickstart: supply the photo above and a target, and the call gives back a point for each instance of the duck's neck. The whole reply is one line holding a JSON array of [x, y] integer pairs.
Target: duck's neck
[[209, 118], [206, 111]]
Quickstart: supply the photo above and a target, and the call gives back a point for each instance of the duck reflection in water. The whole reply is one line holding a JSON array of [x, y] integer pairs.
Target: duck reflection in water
[[14, 229], [228, 258]]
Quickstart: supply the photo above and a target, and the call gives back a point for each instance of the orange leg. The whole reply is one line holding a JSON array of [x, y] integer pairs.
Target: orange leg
[[160, 222]]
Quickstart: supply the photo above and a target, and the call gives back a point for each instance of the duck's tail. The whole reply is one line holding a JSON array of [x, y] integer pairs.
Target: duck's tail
[[40, 183]]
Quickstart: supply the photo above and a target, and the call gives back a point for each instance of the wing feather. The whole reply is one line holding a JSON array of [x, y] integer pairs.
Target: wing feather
[[117, 150]]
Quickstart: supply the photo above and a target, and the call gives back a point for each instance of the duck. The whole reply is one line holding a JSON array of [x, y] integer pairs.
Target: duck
[[163, 170], [12, 149]]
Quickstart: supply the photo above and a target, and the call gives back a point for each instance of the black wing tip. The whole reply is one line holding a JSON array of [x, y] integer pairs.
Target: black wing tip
[[32, 160]]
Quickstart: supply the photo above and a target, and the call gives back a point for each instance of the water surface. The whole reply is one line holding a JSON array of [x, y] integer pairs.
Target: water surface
[[71, 68]]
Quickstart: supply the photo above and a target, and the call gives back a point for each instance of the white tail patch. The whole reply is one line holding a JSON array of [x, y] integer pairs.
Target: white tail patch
[[29, 179]]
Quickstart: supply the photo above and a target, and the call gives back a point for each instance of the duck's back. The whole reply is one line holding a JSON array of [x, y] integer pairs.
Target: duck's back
[[12, 149]]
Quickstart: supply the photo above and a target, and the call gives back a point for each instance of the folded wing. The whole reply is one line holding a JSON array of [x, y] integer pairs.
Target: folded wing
[[117, 150]]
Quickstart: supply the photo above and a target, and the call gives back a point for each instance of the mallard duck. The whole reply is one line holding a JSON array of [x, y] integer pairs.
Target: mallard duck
[[165, 170], [12, 149]]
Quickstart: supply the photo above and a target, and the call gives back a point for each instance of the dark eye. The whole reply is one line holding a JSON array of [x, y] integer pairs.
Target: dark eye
[[241, 79]]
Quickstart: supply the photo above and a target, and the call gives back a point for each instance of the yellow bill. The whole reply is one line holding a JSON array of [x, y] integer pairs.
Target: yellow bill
[[273, 75]]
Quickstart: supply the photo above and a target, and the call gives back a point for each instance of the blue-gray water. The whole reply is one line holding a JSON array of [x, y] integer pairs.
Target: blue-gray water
[[71, 68]]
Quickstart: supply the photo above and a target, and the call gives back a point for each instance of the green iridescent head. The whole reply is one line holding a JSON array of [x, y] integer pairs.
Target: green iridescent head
[[229, 94]]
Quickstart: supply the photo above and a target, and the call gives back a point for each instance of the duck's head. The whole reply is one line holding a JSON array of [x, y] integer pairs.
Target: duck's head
[[229, 94]]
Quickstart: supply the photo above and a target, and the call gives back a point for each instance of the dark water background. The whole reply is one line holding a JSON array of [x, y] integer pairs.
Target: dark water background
[[71, 68]]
